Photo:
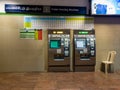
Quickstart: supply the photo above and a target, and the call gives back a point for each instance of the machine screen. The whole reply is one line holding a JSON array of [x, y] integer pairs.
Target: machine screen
[[55, 44], [80, 44]]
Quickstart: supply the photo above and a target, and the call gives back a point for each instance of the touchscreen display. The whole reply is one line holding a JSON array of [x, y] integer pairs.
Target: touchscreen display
[[55, 44], [105, 7]]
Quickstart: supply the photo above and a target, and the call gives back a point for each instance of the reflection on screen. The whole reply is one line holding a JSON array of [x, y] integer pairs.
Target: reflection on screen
[[105, 7], [80, 44]]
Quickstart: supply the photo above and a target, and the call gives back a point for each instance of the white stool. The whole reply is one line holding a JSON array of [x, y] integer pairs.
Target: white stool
[[110, 60]]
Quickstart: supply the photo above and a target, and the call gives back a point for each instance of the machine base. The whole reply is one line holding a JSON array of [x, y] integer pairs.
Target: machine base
[[59, 69], [84, 68]]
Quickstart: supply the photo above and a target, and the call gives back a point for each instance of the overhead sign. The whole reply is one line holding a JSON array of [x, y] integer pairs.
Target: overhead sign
[[13, 8], [37, 9], [68, 10]]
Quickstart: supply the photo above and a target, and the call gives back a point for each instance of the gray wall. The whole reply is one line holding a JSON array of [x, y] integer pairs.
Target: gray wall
[[18, 55], [25, 55], [107, 38]]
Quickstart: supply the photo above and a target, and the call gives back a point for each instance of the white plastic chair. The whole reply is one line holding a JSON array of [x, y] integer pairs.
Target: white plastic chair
[[110, 60]]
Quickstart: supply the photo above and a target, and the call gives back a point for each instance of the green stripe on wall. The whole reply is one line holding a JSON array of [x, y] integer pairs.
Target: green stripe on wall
[[32, 14]]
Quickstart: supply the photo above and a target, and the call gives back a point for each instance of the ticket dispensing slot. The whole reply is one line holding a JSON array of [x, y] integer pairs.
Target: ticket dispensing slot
[[84, 50], [59, 57], [59, 50]]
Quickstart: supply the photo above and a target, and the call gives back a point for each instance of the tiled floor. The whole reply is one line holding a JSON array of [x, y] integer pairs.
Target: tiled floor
[[60, 81]]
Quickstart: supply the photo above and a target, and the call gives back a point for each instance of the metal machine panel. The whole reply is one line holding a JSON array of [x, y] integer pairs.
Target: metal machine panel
[[84, 50], [58, 50]]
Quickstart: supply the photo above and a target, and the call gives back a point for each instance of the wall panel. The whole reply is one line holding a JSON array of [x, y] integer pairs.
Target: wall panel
[[18, 54], [107, 38]]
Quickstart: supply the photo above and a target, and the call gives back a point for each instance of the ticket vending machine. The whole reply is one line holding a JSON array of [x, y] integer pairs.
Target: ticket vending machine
[[84, 50], [58, 50]]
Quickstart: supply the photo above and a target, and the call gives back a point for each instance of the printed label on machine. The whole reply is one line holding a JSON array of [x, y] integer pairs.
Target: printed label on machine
[[58, 51]]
